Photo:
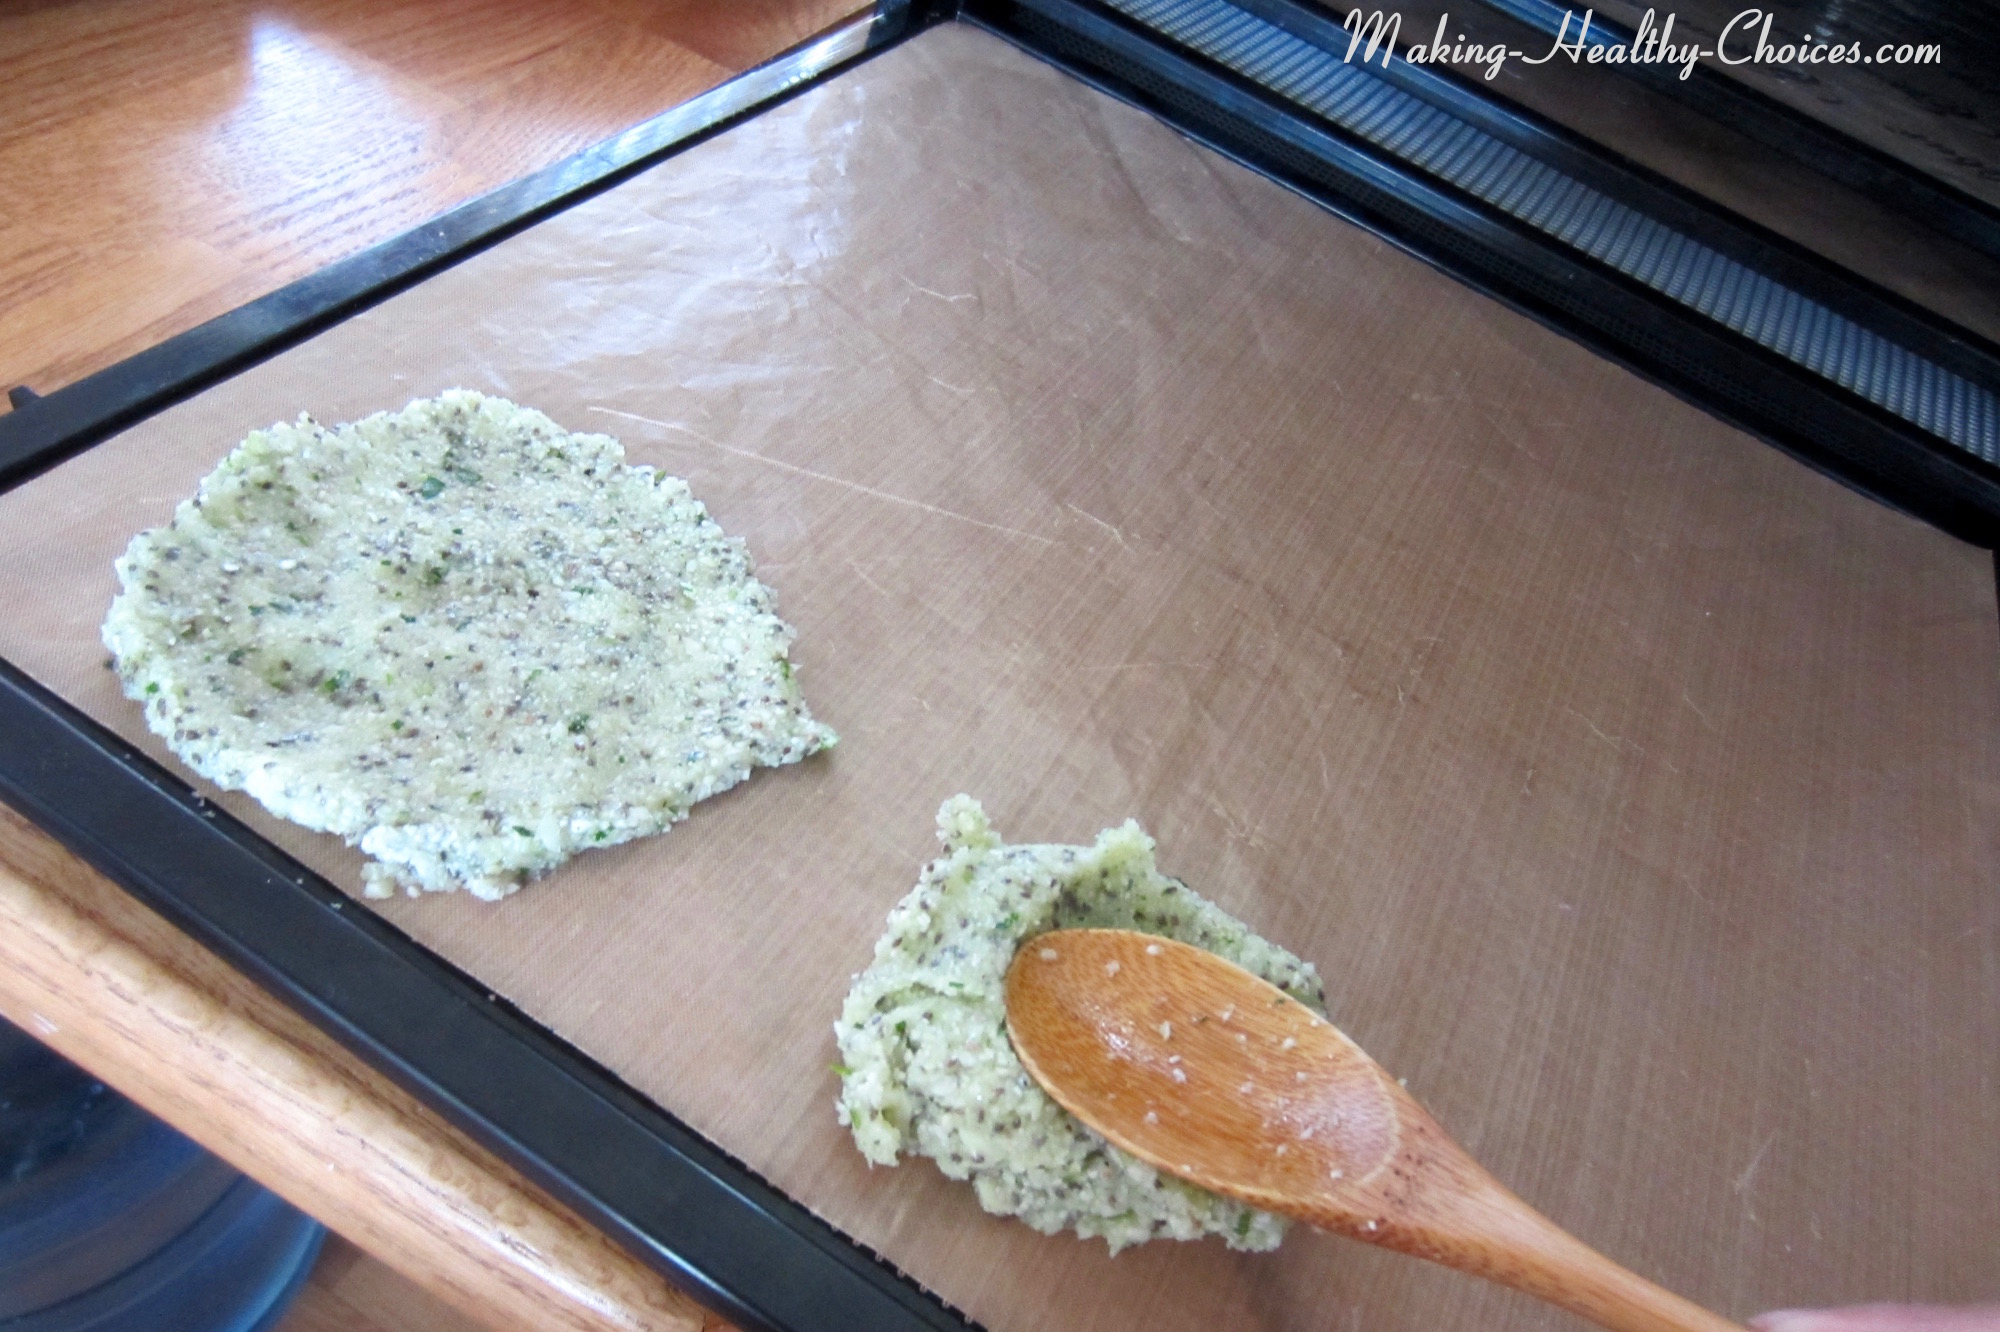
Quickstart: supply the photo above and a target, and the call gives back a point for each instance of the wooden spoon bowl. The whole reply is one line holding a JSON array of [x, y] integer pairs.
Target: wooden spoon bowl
[[1207, 1072]]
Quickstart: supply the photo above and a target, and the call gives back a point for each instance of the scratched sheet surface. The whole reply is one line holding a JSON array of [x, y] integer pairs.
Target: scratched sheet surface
[[1632, 786]]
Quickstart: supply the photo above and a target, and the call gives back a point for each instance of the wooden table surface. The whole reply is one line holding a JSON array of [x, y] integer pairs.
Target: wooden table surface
[[170, 161], [186, 158]]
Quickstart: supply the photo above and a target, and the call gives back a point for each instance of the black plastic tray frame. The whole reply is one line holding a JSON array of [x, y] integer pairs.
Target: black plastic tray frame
[[1896, 317], [655, 1186], [1887, 180], [1826, 427], [684, 1206], [44, 429]]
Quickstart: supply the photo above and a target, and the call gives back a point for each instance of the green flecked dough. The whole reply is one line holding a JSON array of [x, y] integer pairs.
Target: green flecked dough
[[459, 636], [926, 1066]]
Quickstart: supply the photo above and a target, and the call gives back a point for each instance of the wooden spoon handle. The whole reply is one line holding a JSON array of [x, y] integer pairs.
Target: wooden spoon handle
[[1501, 1238]]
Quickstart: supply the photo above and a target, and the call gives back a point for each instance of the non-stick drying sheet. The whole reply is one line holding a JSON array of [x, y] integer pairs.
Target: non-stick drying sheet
[[1632, 786]]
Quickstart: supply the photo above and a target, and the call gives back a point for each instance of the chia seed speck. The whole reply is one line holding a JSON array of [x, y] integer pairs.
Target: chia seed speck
[[401, 681], [919, 1075]]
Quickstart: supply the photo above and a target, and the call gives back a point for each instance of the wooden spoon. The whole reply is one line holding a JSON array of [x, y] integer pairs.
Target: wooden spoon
[[1201, 1069]]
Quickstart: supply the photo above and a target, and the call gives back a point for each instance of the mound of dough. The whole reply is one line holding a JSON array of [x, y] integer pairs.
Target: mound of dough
[[927, 1066], [458, 636]]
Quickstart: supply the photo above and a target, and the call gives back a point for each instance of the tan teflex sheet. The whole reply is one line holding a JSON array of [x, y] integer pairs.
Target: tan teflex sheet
[[1633, 786]]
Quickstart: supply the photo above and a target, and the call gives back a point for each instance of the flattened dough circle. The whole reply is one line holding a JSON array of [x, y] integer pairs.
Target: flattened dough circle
[[458, 636]]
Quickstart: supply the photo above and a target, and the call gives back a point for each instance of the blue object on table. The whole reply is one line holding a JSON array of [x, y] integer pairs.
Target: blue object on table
[[112, 1222]]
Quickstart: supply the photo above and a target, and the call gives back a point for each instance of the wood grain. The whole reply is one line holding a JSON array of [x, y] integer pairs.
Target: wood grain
[[180, 159], [1210, 1073], [351, 1292], [1631, 783], [115, 989], [1415, 633]]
